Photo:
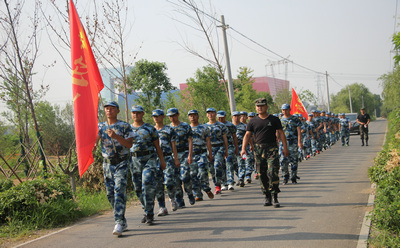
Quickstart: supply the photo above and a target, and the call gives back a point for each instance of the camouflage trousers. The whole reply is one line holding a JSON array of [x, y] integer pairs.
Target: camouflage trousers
[[245, 166], [327, 143], [231, 166], [143, 170], [249, 163], [168, 177], [307, 149], [184, 177], [333, 137], [267, 166], [345, 135], [314, 147], [217, 167], [115, 179], [292, 159], [199, 169], [321, 140]]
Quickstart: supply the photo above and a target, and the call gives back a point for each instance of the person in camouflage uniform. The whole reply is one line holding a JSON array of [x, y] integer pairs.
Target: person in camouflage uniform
[[251, 156], [320, 129], [144, 162], [266, 129], [306, 138], [184, 146], [249, 162], [231, 160], [219, 144], [313, 133], [240, 132], [327, 129], [292, 128], [345, 125], [199, 167], [169, 177], [116, 138]]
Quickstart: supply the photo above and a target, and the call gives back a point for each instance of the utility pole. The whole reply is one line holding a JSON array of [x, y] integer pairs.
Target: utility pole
[[351, 104], [228, 66], [327, 92]]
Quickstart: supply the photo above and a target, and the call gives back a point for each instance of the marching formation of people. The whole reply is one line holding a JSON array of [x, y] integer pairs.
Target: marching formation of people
[[179, 157]]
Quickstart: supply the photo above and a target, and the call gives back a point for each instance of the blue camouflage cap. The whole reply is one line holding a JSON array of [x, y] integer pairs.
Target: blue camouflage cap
[[113, 104], [252, 114], [313, 111], [235, 113], [221, 113], [285, 106], [172, 111], [243, 112], [300, 115], [276, 115], [211, 110], [323, 111], [310, 115], [157, 112], [137, 108], [193, 111]]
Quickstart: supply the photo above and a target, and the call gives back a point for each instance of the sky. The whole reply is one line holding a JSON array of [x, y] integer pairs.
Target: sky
[[349, 40]]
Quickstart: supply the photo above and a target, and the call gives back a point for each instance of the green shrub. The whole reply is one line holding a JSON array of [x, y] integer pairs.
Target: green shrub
[[47, 201], [5, 185]]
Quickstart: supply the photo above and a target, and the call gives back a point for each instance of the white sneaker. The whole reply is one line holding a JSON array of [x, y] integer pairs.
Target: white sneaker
[[230, 187], [174, 205], [162, 212], [117, 230], [223, 188]]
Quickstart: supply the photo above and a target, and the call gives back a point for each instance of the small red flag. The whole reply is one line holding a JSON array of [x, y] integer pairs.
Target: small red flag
[[86, 85], [296, 106]]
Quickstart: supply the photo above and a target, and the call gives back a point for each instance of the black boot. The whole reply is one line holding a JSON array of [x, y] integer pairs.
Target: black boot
[[276, 203], [366, 142], [362, 142], [268, 199]]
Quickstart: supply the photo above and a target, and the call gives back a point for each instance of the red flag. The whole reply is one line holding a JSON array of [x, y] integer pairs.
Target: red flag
[[296, 106], [86, 85]]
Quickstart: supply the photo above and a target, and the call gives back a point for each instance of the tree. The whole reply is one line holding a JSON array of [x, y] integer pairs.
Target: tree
[[149, 80], [243, 88], [396, 43], [391, 91], [307, 96], [205, 90], [18, 53], [340, 102], [283, 96]]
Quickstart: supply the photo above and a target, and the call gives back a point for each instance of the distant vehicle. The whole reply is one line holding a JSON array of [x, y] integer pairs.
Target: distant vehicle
[[355, 127]]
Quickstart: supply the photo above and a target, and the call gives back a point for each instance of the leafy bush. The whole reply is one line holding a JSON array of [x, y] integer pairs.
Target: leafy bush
[[386, 174], [5, 185], [45, 201]]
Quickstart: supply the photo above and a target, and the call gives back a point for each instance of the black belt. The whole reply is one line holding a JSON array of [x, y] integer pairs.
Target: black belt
[[267, 144], [199, 152], [217, 145], [116, 160], [165, 154], [141, 154], [181, 150]]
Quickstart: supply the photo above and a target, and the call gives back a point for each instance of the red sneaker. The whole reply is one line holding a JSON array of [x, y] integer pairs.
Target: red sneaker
[[217, 190]]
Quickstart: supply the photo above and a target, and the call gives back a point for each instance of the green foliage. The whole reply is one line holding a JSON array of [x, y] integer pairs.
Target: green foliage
[[386, 174], [5, 185], [391, 91], [8, 139], [58, 135], [283, 96], [205, 90], [396, 43], [340, 103], [307, 96], [151, 80], [51, 198]]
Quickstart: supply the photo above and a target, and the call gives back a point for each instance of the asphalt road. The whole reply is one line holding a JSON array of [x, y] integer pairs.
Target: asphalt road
[[325, 209]]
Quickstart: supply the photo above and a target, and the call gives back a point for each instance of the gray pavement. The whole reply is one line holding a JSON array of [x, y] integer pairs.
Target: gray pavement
[[325, 209]]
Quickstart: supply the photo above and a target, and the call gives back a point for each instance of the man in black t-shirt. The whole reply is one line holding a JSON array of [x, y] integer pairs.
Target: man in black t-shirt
[[363, 119], [266, 128]]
